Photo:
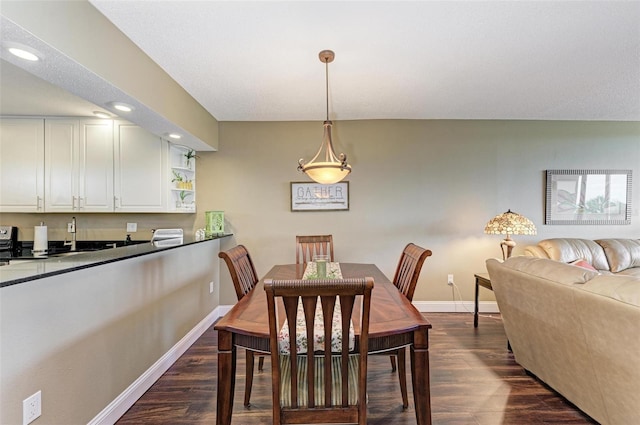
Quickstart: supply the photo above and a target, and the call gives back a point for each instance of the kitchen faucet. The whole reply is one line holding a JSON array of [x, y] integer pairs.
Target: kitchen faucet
[[71, 228]]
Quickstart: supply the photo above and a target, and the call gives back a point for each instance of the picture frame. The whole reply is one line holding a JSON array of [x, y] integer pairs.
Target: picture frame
[[214, 223], [591, 197], [307, 196]]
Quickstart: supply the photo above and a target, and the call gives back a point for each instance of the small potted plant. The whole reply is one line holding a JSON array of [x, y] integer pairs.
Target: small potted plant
[[191, 154], [183, 195], [177, 179]]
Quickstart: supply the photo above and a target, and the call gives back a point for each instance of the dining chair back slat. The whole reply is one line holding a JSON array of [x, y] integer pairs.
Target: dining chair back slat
[[243, 273], [310, 245], [319, 386], [409, 267]]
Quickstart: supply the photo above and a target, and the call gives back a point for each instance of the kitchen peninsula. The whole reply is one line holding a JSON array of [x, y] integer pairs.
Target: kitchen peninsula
[[92, 331]]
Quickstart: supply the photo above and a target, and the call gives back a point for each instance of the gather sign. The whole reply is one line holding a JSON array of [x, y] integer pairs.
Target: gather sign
[[316, 196]]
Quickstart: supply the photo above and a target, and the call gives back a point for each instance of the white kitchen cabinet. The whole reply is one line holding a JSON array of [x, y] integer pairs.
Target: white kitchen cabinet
[[74, 165], [21, 165], [79, 165], [183, 179], [140, 170]]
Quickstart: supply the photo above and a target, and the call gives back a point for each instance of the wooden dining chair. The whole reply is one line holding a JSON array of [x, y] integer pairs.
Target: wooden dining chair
[[406, 279], [319, 386], [244, 277], [308, 246]]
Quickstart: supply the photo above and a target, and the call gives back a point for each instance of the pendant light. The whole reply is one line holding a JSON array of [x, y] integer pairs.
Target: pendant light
[[326, 167]]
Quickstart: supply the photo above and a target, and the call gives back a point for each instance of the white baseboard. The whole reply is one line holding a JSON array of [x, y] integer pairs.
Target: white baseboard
[[224, 309], [455, 306], [110, 414]]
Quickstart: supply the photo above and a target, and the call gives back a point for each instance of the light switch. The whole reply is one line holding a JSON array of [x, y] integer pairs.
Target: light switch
[[132, 227]]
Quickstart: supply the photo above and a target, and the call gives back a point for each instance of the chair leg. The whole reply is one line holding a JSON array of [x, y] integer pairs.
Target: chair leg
[[393, 363], [260, 363], [402, 376], [249, 378]]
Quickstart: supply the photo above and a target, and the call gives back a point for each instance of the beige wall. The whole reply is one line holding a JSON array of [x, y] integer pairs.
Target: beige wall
[[435, 183], [91, 226]]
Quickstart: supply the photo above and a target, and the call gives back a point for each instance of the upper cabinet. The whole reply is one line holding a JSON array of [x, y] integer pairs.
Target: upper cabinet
[[21, 165], [140, 170], [79, 165], [91, 165]]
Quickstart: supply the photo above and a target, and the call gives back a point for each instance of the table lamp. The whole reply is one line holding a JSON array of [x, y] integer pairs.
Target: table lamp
[[509, 223]]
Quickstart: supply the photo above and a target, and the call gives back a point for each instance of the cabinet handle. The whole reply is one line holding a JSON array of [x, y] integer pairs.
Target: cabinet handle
[[80, 206], [73, 203], [116, 201], [38, 203]]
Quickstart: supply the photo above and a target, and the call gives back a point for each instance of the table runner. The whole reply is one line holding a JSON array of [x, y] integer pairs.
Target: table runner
[[333, 272]]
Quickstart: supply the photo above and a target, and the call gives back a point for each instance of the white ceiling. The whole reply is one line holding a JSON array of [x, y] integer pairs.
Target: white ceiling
[[557, 60], [549, 60]]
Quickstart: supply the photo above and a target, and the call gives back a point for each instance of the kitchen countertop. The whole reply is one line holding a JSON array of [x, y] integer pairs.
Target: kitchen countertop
[[24, 271]]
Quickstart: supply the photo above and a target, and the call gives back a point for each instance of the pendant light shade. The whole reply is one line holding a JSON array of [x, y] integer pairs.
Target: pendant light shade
[[326, 167]]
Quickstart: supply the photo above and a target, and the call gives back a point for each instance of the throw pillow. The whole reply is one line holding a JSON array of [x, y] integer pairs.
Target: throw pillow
[[584, 264]]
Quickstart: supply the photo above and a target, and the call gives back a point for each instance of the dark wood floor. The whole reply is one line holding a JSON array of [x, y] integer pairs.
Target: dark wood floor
[[474, 380]]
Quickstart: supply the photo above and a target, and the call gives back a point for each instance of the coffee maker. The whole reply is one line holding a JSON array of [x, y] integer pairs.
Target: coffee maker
[[8, 241]]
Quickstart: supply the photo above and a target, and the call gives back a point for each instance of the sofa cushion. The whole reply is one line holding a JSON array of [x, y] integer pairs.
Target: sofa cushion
[[568, 250], [623, 288], [634, 271], [621, 253], [550, 270]]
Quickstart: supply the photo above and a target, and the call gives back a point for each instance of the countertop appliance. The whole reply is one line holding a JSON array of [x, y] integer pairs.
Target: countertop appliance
[[8, 241], [167, 237]]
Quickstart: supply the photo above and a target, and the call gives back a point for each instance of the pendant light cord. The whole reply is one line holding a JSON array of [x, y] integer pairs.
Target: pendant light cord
[[326, 79]]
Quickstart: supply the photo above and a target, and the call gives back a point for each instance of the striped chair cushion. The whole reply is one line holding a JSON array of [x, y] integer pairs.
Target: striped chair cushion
[[336, 393]]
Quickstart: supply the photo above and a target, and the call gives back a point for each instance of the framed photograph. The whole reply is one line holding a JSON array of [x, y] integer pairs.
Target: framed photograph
[[214, 223], [319, 197], [588, 197]]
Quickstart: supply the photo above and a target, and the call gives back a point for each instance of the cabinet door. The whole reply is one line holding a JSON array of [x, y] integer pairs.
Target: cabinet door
[[61, 140], [21, 165], [95, 184], [79, 165], [140, 170]]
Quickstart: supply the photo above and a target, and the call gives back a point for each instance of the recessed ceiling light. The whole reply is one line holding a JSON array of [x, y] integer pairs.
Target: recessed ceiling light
[[175, 136], [101, 114], [23, 54], [120, 106]]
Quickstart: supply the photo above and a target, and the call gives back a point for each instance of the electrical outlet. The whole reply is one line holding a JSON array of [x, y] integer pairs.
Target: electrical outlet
[[211, 287], [450, 279], [132, 227], [31, 408]]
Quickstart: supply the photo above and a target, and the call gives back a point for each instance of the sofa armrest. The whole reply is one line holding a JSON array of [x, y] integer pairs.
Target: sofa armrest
[[535, 251]]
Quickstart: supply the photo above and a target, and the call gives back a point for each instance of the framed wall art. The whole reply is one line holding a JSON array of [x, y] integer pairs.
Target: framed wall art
[[319, 197], [588, 197]]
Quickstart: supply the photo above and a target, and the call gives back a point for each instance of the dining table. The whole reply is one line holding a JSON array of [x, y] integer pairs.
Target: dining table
[[394, 323]]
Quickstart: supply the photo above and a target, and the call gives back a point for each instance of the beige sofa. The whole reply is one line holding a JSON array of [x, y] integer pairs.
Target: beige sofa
[[619, 256], [576, 329]]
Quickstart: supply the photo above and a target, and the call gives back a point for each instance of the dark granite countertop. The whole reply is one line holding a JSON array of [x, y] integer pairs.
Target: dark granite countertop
[[29, 268]]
